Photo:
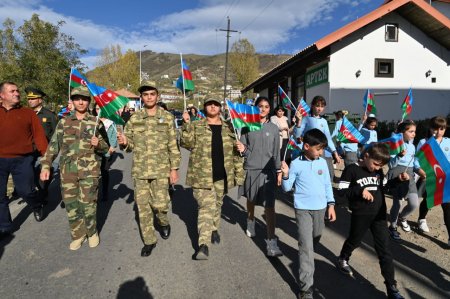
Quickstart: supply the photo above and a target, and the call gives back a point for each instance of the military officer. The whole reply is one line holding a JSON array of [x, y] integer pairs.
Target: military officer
[[81, 154], [48, 120], [151, 135], [214, 168]]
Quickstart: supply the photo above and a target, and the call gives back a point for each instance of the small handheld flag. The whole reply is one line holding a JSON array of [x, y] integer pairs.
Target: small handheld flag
[[303, 108], [285, 100], [369, 103], [292, 144], [64, 112], [244, 116], [185, 79], [437, 168], [108, 101], [200, 115], [407, 104], [77, 79], [348, 133], [394, 143]]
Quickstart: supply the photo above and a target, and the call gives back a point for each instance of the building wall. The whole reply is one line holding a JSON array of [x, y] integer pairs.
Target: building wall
[[414, 54]]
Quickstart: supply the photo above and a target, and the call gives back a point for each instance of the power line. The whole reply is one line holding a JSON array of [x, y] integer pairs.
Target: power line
[[226, 13], [260, 13]]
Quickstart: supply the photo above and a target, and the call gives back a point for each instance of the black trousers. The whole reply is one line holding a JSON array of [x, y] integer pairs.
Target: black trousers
[[423, 211], [378, 227]]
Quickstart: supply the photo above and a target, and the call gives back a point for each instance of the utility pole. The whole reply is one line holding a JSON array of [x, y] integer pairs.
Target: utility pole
[[228, 30]]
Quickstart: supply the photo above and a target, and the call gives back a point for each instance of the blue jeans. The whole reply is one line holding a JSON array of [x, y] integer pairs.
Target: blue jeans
[[22, 171]]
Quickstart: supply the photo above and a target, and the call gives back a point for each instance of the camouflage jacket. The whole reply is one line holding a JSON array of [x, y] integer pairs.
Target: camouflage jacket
[[72, 138], [153, 141], [197, 136]]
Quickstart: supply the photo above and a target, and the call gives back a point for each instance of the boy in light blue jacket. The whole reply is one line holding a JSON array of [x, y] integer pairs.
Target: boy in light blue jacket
[[313, 197]]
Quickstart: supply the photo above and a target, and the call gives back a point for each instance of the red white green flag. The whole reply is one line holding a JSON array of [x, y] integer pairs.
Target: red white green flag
[[437, 168]]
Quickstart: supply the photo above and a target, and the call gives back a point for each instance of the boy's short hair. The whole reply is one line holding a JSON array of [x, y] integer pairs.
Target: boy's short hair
[[315, 137], [378, 152], [438, 122], [318, 100]]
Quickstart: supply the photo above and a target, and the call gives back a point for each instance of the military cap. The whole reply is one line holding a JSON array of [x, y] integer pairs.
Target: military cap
[[34, 93], [212, 100], [147, 85], [80, 91]]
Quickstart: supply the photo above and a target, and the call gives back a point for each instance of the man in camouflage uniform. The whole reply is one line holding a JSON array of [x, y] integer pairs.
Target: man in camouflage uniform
[[214, 168], [48, 120], [81, 154], [151, 135]]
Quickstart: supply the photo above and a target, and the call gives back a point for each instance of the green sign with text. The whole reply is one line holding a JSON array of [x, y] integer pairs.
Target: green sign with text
[[317, 76]]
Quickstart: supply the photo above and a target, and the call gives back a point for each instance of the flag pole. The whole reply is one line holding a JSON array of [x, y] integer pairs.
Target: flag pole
[[96, 121], [285, 151], [292, 104], [367, 102], [70, 79], [184, 83]]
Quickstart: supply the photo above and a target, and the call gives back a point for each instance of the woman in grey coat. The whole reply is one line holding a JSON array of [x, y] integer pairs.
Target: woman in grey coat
[[261, 150]]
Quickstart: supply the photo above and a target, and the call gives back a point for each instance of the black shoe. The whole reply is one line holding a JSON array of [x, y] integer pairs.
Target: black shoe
[[39, 213], [215, 237], [306, 294], [5, 234], [165, 232], [344, 267], [147, 249], [393, 292], [202, 253]]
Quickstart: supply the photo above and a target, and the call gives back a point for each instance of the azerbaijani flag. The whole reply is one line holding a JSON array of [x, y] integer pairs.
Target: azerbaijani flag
[[369, 103], [285, 100], [64, 112], [292, 145], [395, 143], [303, 108], [200, 115], [77, 79], [437, 168], [108, 101], [188, 84], [407, 104], [244, 116], [348, 133]]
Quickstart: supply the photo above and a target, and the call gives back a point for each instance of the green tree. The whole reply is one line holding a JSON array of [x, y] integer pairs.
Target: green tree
[[116, 70], [244, 62], [38, 54]]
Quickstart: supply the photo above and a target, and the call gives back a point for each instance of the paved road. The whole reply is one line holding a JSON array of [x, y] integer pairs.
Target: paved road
[[36, 261]]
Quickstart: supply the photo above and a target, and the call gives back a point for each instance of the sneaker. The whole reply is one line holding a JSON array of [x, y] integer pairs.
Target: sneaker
[[76, 244], [394, 233], [423, 226], [404, 225], [250, 228], [393, 292], [306, 294], [94, 240], [344, 267], [272, 248]]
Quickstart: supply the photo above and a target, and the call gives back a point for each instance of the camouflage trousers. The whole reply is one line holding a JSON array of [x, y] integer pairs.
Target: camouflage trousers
[[209, 209], [151, 195], [80, 199]]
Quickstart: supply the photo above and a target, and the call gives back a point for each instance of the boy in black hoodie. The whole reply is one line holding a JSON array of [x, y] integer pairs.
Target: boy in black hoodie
[[362, 184]]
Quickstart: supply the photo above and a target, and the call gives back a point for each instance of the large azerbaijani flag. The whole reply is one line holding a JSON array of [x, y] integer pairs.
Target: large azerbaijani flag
[[285, 100], [108, 101], [437, 168], [77, 79], [303, 108], [407, 104], [348, 133], [244, 116], [369, 103], [185, 80], [395, 143]]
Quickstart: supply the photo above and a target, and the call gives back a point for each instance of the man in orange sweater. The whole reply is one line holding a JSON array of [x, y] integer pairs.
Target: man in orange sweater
[[22, 132]]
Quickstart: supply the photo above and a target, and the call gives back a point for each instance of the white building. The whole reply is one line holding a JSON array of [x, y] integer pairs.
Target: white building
[[401, 44]]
